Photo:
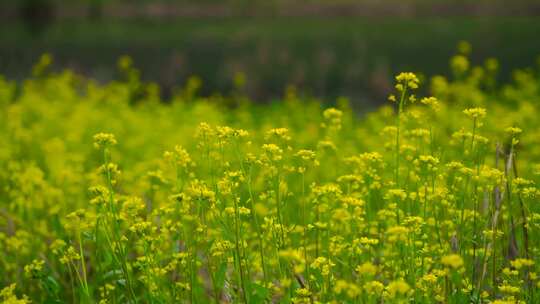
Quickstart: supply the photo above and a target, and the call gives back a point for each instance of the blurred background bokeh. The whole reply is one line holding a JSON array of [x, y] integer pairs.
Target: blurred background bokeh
[[324, 48]]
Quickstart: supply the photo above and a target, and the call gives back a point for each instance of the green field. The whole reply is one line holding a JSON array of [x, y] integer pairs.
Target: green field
[[111, 195]]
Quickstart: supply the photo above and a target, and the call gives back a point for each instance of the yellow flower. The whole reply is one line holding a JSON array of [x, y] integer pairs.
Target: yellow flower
[[520, 263], [179, 156], [509, 289], [367, 269], [476, 113], [374, 287], [323, 264], [397, 233], [406, 80], [332, 114], [431, 102], [333, 118], [244, 211], [350, 289], [229, 210], [398, 287], [272, 152], [102, 140], [307, 156], [7, 295], [35, 269], [459, 64], [452, 260], [393, 194], [279, 133], [513, 130]]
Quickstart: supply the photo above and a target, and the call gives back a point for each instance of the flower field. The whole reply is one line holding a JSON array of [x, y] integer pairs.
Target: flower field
[[110, 195]]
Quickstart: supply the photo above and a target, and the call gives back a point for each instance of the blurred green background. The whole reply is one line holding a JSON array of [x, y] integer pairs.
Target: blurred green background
[[324, 48]]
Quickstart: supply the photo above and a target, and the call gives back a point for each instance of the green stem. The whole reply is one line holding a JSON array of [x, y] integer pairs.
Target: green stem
[[238, 253]]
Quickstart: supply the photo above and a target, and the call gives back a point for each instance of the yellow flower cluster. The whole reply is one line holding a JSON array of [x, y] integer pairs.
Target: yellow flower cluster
[[199, 202]]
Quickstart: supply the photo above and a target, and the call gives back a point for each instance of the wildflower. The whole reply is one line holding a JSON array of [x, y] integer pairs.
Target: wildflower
[[430, 278], [103, 140], [322, 264], [506, 301], [350, 289], [279, 133], [476, 113], [327, 190], [57, 246], [204, 131], [326, 145], [452, 260], [224, 132], [35, 269], [70, 255], [521, 263], [431, 102], [332, 114], [396, 194], [100, 193], [180, 157], [406, 80], [142, 228], [307, 157], [244, 211], [302, 295], [427, 162], [105, 291], [389, 131], [219, 248], [367, 241], [366, 269], [509, 289], [272, 152], [200, 191], [240, 133], [229, 210], [513, 130], [7, 295], [398, 287], [514, 133], [333, 118], [459, 64], [420, 133], [374, 287], [439, 85], [350, 179], [397, 233]]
